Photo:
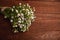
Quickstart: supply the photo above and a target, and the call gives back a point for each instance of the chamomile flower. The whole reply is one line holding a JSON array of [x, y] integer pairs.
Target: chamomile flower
[[22, 14], [15, 26], [23, 9], [12, 9], [27, 4], [5, 16], [19, 21], [11, 20], [13, 6], [16, 11], [32, 12], [18, 15], [27, 9], [15, 31], [20, 3]]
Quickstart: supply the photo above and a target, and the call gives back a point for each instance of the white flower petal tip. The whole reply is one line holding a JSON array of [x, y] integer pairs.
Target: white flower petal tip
[[20, 26], [19, 19]]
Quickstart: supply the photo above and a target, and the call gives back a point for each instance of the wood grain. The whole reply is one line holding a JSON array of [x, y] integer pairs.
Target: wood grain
[[45, 27]]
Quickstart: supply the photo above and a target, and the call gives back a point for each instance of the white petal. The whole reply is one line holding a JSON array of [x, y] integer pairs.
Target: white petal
[[5, 16], [15, 26], [27, 4], [28, 13], [19, 21], [20, 26], [27, 9], [16, 11], [23, 9], [22, 18], [22, 14], [13, 6], [12, 17], [15, 31], [11, 20], [18, 15], [12, 10]]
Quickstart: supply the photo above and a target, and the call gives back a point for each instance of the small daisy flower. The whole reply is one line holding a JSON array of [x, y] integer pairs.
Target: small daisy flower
[[11, 20], [27, 4], [22, 18], [29, 13], [23, 9], [22, 14], [5, 16], [15, 31], [27, 9], [20, 26], [32, 12], [12, 9], [13, 6], [32, 17], [18, 15], [19, 21], [15, 26], [19, 3], [16, 11]]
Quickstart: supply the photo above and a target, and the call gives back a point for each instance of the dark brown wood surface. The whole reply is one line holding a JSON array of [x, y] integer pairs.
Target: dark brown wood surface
[[45, 27]]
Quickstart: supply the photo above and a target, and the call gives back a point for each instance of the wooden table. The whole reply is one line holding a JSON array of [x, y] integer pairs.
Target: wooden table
[[45, 27]]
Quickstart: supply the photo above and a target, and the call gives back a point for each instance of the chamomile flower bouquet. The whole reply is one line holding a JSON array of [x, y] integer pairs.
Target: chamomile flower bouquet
[[20, 16]]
